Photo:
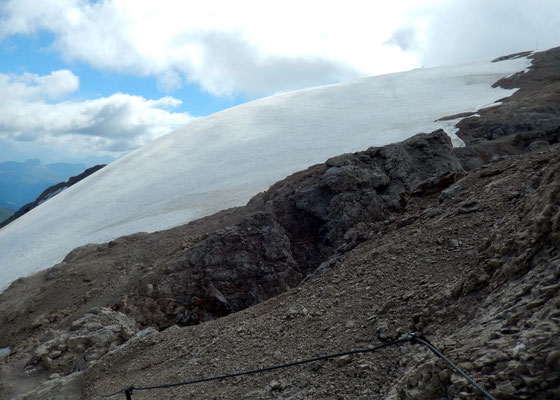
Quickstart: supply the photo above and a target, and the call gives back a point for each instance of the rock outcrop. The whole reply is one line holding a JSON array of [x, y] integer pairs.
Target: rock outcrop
[[304, 220], [232, 269], [88, 339], [527, 120]]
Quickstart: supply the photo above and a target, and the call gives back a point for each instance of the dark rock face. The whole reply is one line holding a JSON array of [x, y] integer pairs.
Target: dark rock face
[[320, 206], [536, 105], [231, 270], [529, 117], [302, 221], [50, 192]]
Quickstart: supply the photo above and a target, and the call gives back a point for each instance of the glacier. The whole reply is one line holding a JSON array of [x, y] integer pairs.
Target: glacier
[[222, 160]]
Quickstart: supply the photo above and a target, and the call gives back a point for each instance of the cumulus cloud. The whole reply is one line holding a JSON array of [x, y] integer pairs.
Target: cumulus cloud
[[232, 64], [247, 46], [461, 31], [117, 123], [259, 48], [31, 86], [404, 38]]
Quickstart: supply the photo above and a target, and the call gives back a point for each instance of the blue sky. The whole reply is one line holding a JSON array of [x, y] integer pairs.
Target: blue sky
[[33, 54], [88, 81]]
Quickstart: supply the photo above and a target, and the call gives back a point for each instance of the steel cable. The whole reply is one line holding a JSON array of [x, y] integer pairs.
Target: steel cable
[[411, 337]]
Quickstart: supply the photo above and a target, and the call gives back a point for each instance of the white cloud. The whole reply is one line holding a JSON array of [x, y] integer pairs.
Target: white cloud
[[259, 47], [231, 64], [31, 86], [461, 31], [117, 123], [226, 47], [404, 38]]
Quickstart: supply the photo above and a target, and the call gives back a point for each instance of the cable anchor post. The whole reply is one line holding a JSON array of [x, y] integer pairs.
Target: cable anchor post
[[416, 337]]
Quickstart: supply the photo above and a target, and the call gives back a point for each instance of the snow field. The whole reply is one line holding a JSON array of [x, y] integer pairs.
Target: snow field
[[222, 160]]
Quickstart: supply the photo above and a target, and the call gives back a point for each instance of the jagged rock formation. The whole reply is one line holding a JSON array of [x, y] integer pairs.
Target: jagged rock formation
[[234, 268], [330, 202], [460, 244], [304, 219], [89, 338], [50, 192], [508, 297], [527, 120]]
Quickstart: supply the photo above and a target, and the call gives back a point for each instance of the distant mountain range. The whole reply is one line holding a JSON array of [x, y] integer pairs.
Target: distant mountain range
[[48, 193], [23, 182], [5, 213]]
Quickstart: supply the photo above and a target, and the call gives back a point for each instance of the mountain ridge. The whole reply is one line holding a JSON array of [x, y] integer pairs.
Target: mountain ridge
[[460, 244], [5, 213], [222, 160]]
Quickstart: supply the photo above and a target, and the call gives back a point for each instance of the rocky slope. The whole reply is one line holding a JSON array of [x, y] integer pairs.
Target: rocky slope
[[460, 244], [50, 192]]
